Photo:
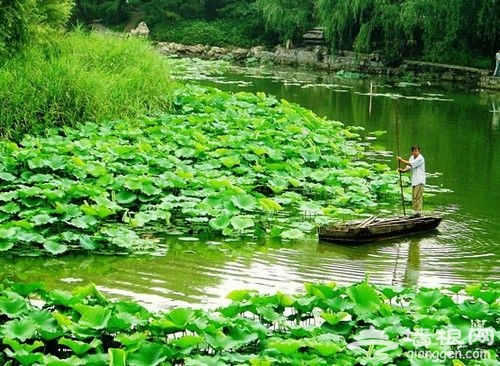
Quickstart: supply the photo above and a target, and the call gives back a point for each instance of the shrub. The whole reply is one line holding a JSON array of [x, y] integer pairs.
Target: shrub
[[81, 77], [222, 33], [25, 22]]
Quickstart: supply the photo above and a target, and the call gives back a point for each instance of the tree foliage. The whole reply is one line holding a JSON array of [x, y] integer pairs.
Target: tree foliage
[[24, 22], [447, 31], [288, 18], [438, 31], [112, 12], [455, 31]]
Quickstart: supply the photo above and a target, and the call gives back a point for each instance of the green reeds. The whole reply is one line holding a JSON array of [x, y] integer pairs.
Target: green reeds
[[81, 77]]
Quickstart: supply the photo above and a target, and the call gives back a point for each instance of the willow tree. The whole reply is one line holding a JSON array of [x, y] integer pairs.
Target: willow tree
[[24, 22], [453, 30], [381, 28], [287, 18], [363, 26], [339, 23]]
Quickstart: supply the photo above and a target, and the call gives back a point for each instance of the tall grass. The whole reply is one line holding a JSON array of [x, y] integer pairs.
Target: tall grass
[[81, 77]]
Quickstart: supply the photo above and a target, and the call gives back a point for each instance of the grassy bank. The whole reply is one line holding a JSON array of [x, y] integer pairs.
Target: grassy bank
[[81, 77]]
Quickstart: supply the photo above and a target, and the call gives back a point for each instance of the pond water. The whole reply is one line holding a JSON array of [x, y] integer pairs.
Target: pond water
[[459, 134]]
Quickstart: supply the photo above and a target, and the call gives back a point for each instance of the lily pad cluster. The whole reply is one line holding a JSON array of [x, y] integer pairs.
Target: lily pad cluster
[[237, 164], [327, 325]]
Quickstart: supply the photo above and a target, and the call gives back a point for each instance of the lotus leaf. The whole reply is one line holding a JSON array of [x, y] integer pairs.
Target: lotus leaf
[[97, 210], [6, 244], [54, 247], [42, 219], [240, 295], [87, 242], [231, 334], [25, 357], [94, 317], [10, 208], [242, 222], [229, 161], [84, 222], [244, 202], [476, 310], [253, 150], [79, 347], [50, 360], [125, 197], [187, 341], [286, 347], [221, 222], [425, 299], [6, 176], [21, 329], [205, 361], [12, 307], [365, 298], [269, 205], [292, 234], [334, 318], [97, 359]]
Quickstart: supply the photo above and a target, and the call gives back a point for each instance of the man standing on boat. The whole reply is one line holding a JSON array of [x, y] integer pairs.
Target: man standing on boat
[[415, 165]]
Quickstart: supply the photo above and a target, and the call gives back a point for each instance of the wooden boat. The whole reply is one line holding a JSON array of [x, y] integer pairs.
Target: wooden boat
[[373, 229]]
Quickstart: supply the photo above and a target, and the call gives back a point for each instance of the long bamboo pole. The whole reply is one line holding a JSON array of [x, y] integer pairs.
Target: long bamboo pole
[[396, 119]]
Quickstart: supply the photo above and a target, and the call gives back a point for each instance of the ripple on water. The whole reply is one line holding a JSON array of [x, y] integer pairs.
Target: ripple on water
[[193, 274]]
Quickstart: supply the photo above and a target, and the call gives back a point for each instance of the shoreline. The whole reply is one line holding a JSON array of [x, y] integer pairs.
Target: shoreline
[[317, 57]]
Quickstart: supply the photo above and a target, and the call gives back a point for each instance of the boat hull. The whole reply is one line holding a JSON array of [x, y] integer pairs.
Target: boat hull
[[378, 229]]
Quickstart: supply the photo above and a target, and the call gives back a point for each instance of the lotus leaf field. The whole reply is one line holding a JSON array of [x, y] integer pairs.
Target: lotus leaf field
[[232, 164], [326, 325]]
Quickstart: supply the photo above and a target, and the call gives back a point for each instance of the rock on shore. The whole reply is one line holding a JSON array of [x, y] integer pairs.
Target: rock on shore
[[318, 57]]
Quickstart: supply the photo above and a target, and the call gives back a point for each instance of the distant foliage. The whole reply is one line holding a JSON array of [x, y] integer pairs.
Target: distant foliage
[[218, 23], [25, 22], [110, 12], [464, 32], [222, 33], [452, 31], [288, 18], [456, 31]]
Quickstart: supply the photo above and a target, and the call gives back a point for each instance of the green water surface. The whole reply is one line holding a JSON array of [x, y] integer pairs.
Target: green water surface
[[459, 135]]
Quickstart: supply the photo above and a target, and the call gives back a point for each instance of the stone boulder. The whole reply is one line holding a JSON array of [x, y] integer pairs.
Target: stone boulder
[[239, 53], [141, 30], [216, 52]]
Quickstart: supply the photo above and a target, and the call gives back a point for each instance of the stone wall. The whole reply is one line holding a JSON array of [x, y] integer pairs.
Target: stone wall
[[317, 57], [489, 82]]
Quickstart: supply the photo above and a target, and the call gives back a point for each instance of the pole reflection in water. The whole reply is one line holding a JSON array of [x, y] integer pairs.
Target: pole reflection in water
[[495, 120]]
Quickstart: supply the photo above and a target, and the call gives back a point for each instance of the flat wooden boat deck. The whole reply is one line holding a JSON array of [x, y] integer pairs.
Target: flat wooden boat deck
[[374, 229]]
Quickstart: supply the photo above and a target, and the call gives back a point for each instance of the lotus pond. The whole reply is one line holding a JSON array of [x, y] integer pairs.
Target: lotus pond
[[226, 193], [325, 325]]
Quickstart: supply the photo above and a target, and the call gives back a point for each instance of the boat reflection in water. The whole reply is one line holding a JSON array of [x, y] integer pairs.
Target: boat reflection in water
[[396, 262]]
